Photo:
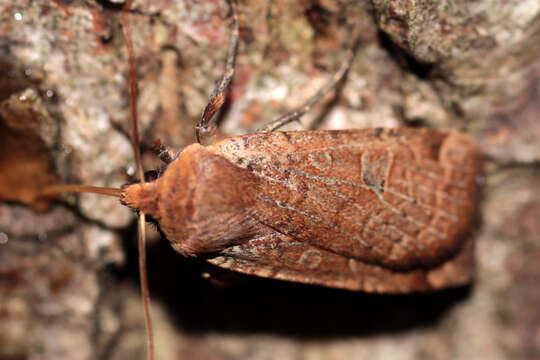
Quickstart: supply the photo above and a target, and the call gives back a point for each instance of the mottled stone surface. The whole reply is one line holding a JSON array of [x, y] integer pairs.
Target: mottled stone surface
[[68, 285]]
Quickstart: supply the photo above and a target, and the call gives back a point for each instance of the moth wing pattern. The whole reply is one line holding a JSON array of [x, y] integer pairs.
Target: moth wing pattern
[[397, 198], [280, 256]]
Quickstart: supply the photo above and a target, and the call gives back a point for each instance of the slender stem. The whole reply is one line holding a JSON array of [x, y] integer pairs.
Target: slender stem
[[145, 293], [132, 92]]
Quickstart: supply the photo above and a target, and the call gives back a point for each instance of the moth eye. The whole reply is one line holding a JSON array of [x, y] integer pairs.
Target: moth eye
[[151, 175]]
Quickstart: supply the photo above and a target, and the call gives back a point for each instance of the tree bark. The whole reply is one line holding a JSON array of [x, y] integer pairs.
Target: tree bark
[[68, 276]]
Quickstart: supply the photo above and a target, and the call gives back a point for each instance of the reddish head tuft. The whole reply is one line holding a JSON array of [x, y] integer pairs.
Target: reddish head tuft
[[142, 197]]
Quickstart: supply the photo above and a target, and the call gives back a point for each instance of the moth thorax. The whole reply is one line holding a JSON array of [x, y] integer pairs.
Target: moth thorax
[[141, 197]]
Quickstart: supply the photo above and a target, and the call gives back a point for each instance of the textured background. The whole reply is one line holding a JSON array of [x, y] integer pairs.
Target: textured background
[[68, 278]]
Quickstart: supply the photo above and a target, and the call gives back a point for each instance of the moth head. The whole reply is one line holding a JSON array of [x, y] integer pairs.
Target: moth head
[[200, 202], [140, 197], [167, 186]]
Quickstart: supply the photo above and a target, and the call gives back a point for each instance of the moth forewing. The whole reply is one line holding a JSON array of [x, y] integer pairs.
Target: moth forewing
[[281, 257]]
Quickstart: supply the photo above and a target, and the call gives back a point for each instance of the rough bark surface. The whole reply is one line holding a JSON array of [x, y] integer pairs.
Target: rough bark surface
[[68, 281]]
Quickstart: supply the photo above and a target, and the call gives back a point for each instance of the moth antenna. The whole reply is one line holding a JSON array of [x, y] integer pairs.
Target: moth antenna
[[52, 190], [331, 85], [145, 294]]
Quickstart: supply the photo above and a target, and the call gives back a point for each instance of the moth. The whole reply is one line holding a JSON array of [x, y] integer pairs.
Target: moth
[[377, 210]]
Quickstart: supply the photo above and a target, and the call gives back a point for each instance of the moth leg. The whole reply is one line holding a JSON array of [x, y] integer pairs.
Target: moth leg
[[332, 84], [165, 153], [206, 128]]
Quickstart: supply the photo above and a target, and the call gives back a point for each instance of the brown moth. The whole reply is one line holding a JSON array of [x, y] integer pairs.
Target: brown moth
[[378, 210]]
